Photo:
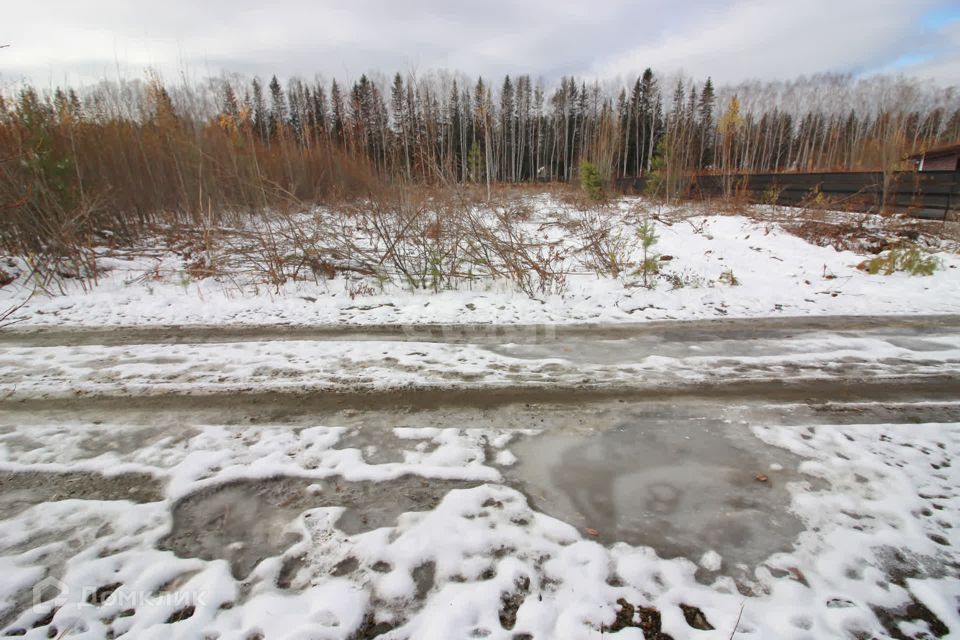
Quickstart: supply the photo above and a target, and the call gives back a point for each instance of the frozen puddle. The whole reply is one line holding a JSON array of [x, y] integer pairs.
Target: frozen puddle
[[683, 488], [22, 490], [247, 521], [681, 519]]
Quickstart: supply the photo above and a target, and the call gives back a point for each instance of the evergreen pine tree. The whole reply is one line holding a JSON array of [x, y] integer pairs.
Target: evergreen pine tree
[[278, 109], [261, 120], [336, 112], [320, 112], [705, 110]]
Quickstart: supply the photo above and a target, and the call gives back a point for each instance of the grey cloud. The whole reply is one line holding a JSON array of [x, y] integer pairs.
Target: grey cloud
[[731, 40]]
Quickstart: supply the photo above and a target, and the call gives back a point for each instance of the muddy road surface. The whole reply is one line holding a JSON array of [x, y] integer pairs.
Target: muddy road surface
[[865, 358], [238, 440]]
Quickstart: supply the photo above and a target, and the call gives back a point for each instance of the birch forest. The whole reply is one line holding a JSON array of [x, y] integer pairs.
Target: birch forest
[[518, 129], [116, 153]]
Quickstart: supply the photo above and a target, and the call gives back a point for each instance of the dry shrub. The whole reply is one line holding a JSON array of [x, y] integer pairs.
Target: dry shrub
[[737, 202], [572, 197], [68, 178], [511, 250], [605, 246], [433, 238], [858, 232], [847, 235], [400, 232]]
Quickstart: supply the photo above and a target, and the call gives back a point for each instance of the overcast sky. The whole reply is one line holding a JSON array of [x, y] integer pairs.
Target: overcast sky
[[57, 41]]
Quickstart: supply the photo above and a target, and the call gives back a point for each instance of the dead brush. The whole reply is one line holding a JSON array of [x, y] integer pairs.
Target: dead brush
[[277, 249], [574, 198], [413, 236], [860, 232], [736, 203], [842, 236], [603, 246], [507, 249], [263, 259], [130, 155], [8, 312], [51, 232]]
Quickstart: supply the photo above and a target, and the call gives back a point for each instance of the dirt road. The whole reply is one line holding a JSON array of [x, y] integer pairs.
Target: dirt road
[[661, 435], [856, 358], [674, 330]]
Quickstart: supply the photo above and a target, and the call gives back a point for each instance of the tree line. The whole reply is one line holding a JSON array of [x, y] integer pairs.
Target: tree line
[[117, 155], [420, 129]]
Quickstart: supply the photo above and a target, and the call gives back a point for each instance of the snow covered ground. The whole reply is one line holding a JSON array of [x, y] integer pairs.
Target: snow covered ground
[[878, 502], [701, 517], [777, 273], [212, 457]]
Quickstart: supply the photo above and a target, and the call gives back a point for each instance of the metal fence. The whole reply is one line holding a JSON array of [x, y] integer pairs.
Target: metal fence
[[929, 194]]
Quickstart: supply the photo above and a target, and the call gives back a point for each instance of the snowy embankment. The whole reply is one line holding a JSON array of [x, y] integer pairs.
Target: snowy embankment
[[880, 506], [709, 266]]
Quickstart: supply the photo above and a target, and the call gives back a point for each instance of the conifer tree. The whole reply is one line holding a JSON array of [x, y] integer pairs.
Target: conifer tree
[[261, 119], [705, 109], [278, 109], [337, 114]]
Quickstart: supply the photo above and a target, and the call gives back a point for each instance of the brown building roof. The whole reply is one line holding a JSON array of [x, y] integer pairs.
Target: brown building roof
[[936, 152]]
